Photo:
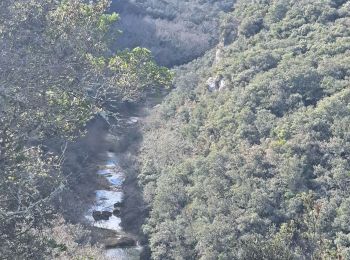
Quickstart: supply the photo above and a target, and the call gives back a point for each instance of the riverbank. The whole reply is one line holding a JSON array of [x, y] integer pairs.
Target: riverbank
[[120, 137]]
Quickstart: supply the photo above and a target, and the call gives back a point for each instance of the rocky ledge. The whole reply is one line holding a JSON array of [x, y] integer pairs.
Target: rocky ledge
[[112, 239], [119, 242]]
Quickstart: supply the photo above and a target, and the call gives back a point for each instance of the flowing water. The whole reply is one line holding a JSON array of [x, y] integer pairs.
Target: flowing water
[[106, 199]]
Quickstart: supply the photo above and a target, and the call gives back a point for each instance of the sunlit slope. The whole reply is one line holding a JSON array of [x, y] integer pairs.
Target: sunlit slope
[[249, 158]]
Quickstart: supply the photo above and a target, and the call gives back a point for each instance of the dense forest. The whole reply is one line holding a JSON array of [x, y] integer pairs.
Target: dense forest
[[175, 31], [245, 150], [249, 157]]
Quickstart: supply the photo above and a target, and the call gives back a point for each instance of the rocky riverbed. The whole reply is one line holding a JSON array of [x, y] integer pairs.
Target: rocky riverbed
[[104, 215]]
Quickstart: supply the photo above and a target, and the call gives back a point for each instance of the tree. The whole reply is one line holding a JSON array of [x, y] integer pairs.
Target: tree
[[267, 157], [55, 59]]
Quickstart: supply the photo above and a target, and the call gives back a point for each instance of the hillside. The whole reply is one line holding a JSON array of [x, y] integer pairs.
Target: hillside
[[167, 129], [175, 31], [249, 157]]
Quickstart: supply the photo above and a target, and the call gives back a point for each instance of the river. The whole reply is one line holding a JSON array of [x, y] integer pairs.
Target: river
[[104, 213]]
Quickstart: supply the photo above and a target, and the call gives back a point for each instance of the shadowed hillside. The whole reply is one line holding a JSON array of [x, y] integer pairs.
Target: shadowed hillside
[[175, 31]]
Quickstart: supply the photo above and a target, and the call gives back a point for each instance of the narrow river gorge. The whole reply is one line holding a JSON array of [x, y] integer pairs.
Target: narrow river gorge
[[167, 129], [105, 212], [114, 209]]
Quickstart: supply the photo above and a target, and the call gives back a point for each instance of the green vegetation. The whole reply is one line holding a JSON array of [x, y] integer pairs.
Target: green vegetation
[[56, 72], [247, 158], [175, 31], [254, 163]]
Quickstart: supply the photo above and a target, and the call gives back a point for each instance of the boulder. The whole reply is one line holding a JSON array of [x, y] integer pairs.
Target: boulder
[[116, 212], [101, 215], [118, 242], [106, 215], [96, 215]]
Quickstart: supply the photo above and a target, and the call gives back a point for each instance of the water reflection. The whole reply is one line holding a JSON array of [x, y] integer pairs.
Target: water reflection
[[106, 200]]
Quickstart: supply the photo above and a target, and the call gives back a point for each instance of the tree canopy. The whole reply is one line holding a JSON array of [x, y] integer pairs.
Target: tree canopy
[[57, 71], [248, 158]]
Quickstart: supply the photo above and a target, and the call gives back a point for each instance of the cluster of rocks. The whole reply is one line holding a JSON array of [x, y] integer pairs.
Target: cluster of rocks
[[105, 215], [114, 240], [101, 215]]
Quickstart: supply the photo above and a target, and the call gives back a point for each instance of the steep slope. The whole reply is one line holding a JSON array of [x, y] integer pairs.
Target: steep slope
[[175, 31], [249, 157]]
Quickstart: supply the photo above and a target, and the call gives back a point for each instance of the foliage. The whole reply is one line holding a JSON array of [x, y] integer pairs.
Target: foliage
[[53, 79], [258, 169], [175, 31]]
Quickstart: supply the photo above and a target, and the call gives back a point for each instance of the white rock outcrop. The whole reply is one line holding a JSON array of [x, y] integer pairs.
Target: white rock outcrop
[[217, 83]]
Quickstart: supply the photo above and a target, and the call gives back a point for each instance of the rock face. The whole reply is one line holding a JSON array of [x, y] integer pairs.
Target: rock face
[[101, 215], [216, 83], [218, 55], [222, 84], [211, 82], [118, 242]]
